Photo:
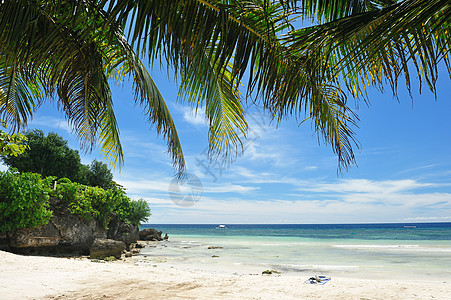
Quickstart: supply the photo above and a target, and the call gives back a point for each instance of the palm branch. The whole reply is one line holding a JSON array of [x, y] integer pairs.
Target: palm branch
[[221, 41], [64, 51], [374, 42]]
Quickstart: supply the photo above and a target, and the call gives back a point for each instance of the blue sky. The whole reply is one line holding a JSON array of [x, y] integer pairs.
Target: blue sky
[[284, 175]]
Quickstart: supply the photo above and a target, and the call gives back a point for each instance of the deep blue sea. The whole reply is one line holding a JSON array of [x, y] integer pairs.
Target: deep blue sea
[[385, 231], [401, 250]]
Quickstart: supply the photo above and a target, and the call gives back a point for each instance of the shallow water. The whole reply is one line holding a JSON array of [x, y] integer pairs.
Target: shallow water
[[365, 251]]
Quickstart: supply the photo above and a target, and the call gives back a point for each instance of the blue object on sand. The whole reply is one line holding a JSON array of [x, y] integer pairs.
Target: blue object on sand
[[319, 279]]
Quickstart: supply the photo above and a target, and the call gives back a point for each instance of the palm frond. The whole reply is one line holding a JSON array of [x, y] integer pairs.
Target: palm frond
[[381, 45], [221, 98], [71, 52], [210, 42]]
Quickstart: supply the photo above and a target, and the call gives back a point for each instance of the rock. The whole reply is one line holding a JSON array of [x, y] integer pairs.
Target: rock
[[150, 234], [215, 247], [166, 237], [128, 254], [139, 246], [4, 242], [120, 231], [102, 248], [66, 233]]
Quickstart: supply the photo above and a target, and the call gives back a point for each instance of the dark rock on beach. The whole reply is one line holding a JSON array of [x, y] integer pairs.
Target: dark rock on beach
[[102, 248], [151, 234], [120, 231], [139, 246]]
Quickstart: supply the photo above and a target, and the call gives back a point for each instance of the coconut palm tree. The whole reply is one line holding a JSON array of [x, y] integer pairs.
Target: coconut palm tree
[[63, 50], [70, 51]]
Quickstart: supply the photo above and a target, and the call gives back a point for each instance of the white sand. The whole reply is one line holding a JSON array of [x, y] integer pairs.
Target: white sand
[[32, 277]]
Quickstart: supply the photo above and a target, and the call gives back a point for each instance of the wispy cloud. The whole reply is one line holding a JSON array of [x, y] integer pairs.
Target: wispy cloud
[[144, 187], [230, 188], [236, 210], [137, 147], [52, 123], [194, 117], [428, 219], [365, 186]]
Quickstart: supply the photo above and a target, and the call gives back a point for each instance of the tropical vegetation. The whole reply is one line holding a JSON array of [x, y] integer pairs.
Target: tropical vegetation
[[96, 203], [295, 57], [12, 144], [50, 155], [24, 201]]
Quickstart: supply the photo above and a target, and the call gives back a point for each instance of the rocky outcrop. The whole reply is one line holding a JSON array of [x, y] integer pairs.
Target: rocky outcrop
[[67, 233], [151, 234], [4, 242], [120, 231], [102, 248]]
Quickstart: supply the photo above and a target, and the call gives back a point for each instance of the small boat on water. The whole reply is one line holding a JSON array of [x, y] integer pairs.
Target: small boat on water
[[410, 226], [221, 227]]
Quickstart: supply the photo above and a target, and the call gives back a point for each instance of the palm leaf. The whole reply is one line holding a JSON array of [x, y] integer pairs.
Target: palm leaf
[[241, 36], [71, 51], [381, 44]]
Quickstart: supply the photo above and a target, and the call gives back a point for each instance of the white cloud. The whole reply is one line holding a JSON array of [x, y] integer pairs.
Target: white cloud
[[347, 201], [235, 210], [145, 186], [229, 188], [254, 151], [135, 147], [51, 122], [428, 219], [194, 117], [365, 186]]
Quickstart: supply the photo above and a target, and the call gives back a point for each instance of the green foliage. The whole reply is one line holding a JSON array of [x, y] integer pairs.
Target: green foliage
[[304, 59], [139, 211], [47, 155], [23, 201], [84, 174], [110, 258], [78, 203], [100, 175], [12, 145], [51, 156], [64, 180], [123, 204], [96, 203], [103, 202]]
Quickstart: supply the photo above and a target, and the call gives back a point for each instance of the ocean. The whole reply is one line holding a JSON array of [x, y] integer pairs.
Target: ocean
[[416, 251]]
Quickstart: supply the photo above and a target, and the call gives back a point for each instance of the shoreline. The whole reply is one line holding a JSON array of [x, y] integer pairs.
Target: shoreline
[[38, 277]]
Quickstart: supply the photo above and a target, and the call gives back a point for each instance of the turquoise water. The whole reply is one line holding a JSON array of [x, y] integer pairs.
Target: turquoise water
[[417, 251]]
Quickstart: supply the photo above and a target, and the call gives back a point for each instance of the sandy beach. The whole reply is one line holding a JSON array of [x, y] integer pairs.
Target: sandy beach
[[37, 277]]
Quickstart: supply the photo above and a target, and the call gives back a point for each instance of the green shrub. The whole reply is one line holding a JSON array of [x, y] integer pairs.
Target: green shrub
[[123, 206], [94, 202], [64, 180], [139, 211], [103, 202], [23, 201]]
